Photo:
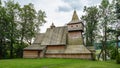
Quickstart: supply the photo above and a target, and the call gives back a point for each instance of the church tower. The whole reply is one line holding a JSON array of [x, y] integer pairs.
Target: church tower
[[75, 29]]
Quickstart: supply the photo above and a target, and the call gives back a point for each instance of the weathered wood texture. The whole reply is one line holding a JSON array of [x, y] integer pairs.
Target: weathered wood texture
[[81, 56], [55, 36], [38, 38], [60, 42], [76, 26], [75, 38], [58, 47], [31, 54]]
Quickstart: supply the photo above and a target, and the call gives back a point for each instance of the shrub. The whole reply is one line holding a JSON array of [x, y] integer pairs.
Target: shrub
[[113, 53], [118, 59], [93, 56]]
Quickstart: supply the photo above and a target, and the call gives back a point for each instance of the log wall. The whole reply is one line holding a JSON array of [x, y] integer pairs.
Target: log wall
[[53, 47], [81, 56], [31, 54]]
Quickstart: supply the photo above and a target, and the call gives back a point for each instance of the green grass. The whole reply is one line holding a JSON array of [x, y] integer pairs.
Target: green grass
[[56, 63]]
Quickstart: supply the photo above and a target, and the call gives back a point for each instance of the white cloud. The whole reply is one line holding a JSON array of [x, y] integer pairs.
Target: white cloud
[[53, 8]]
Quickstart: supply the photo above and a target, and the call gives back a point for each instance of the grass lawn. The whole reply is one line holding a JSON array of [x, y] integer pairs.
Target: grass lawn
[[56, 63]]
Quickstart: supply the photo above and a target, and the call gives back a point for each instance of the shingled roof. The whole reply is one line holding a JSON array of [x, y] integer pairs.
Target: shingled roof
[[37, 42], [70, 49], [55, 36], [35, 47], [75, 18], [39, 37], [76, 49]]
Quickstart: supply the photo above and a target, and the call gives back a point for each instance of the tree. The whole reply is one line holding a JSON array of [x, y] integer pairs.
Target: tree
[[12, 10], [106, 20], [18, 25], [27, 22], [103, 10], [117, 31], [117, 9], [3, 33], [91, 21], [30, 22]]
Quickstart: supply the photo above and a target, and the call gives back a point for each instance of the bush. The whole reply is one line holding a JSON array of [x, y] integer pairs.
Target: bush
[[93, 56], [118, 59], [113, 53]]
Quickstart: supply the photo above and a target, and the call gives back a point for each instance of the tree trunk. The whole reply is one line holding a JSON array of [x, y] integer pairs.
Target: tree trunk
[[100, 54], [104, 43], [11, 39], [1, 48], [11, 48], [117, 44], [21, 44]]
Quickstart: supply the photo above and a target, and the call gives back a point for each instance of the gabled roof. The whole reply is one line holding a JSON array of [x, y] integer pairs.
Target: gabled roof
[[55, 36], [75, 18], [39, 37]]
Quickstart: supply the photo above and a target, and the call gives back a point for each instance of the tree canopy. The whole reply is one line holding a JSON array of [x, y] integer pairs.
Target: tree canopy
[[18, 25]]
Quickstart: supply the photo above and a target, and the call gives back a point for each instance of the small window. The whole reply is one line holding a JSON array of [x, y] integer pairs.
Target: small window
[[71, 26]]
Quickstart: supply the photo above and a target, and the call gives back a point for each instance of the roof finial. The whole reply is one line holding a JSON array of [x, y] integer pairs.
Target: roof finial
[[52, 26]]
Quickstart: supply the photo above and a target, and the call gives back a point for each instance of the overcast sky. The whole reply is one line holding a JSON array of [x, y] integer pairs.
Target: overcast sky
[[59, 11]]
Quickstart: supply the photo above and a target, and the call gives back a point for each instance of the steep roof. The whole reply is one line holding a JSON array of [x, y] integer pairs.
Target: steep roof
[[35, 47], [76, 49], [37, 42], [55, 36], [39, 37], [71, 49], [75, 18]]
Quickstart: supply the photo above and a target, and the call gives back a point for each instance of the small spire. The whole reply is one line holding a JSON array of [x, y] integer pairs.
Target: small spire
[[75, 16], [52, 26]]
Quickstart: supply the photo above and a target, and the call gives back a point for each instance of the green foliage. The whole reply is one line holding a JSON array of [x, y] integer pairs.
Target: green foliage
[[30, 22], [113, 53], [118, 58], [17, 26], [11, 12], [104, 4], [117, 7], [18, 49], [106, 20], [93, 56], [91, 19]]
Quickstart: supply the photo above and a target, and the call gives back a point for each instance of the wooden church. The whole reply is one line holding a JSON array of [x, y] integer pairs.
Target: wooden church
[[60, 42]]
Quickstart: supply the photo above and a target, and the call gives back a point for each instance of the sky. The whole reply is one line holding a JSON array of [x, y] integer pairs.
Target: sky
[[59, 11]]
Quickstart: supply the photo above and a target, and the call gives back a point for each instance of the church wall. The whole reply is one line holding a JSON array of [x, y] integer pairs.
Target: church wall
[[31, 54], [75, 38], [55, 47], [77, 26], [81, 56]]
